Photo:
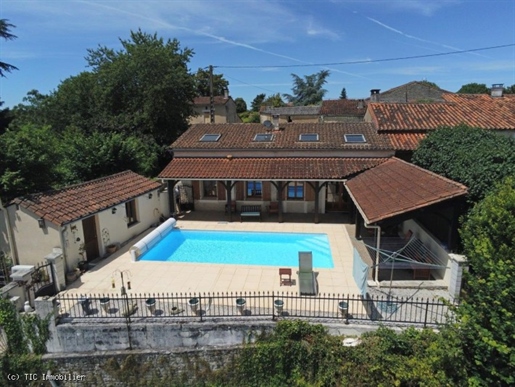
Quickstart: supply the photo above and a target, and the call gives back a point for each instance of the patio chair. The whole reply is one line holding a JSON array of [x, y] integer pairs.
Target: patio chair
[[285, 276], [307, 278]]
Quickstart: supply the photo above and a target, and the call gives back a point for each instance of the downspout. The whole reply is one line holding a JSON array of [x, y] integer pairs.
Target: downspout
[[63, 246]]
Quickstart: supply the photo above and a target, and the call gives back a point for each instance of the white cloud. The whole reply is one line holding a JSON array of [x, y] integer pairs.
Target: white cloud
[[314, 30]]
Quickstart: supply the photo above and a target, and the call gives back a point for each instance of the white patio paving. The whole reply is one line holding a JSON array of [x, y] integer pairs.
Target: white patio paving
[[174, 277]]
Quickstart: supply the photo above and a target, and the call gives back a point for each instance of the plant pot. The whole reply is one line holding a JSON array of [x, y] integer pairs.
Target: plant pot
[[240, 305], [71, 276], [175, 310], [110, 249], [83, 266], [194, 303], [85, 303], [343, 307], [151, 305], [104, 304], [279, 305]]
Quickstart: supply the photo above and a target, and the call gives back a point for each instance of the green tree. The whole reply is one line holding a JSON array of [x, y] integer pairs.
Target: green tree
[[144, 88], [274, 100], [474, 157], [5, 33], [257, 102], [28, 159], [249, 117], [241, 105], [488, 306], [509, 89], [474, 88], [87, 156], [308, 91], [343, 94], [220, 84]]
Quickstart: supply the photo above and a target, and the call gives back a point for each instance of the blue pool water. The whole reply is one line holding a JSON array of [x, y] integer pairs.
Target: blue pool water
[[241, 248]]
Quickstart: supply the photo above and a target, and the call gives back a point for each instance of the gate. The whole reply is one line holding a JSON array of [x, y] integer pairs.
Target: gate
[[43, 280]]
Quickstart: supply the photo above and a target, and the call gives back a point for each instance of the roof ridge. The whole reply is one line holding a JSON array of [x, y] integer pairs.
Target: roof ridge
[[77, 185]]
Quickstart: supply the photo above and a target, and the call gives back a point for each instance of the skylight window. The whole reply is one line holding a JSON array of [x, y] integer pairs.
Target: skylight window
[[308, 137], [354, 138], [210, 137], [264, 137]]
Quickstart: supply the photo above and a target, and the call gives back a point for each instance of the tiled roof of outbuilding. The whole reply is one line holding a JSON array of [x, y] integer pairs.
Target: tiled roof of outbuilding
[[396, 187], [291, 110], [477, 110], [218, 100], [81, 200], [343, 107], [240, 136], [266, 168]]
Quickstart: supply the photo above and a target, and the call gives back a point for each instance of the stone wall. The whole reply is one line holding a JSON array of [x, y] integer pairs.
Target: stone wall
[[139, 367]]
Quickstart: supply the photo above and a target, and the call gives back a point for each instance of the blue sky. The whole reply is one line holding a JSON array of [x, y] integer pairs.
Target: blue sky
[[53, 37]]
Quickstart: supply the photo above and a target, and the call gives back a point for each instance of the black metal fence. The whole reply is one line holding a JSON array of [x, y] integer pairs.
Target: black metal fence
[[205, 306]]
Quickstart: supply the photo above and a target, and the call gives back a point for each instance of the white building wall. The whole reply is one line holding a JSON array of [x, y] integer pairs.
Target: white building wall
[[32, 243]]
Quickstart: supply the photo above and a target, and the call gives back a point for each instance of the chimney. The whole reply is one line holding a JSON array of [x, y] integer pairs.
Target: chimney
[[374, 95], [226, 93], [497, 90], [361, 104], [275, 121]]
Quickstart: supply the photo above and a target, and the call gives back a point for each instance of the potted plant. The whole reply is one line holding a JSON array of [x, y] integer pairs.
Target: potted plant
[[151, 305], [279, 305], [240, 305], [104, 303], [111, 248], [194, 303]]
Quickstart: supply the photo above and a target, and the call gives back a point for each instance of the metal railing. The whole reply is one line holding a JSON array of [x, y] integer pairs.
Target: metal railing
[[205, 306]]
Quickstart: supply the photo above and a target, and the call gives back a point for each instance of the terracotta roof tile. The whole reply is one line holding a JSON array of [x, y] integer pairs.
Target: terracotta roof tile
[[78, 201], [396, 187], [477, 110], [405, 141], [253, 168], [343, 107], [240, 136]]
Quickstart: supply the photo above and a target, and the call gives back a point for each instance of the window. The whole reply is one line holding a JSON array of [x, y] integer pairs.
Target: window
[[264, 137], [210, 137], [308, 137], [131, 215], [354, 138], [209, 189], [254, 189], [296, 190]]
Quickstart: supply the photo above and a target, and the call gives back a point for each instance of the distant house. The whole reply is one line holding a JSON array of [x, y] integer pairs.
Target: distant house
[[343, 110], [406, 124], [224, 110], [84, 219], [285, 114], [411, 92]]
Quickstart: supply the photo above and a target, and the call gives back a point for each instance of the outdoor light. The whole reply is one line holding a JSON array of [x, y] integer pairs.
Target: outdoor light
[[113, 211], [41, 223], [150, 195]]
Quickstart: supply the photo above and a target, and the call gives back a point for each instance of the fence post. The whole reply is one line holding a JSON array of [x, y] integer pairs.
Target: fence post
[[273, 307], [348, 311], [200, 306], [427, 310]]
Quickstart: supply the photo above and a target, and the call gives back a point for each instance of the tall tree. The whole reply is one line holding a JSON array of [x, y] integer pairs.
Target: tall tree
[[486, 311], [308, 91], [241, 105], [143, 88], [5, 33], [474, 88], [274, 100], [220, 84], [343, 94], [475, 157], [257, 102]]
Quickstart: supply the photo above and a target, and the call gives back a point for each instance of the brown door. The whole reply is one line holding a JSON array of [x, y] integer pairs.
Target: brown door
[[90, 238]]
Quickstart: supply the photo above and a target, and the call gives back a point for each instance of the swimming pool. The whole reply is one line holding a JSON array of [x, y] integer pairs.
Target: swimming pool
[[240, 248]]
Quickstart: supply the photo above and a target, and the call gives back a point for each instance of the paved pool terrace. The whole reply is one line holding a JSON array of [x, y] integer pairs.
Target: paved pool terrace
[[174, 277]]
